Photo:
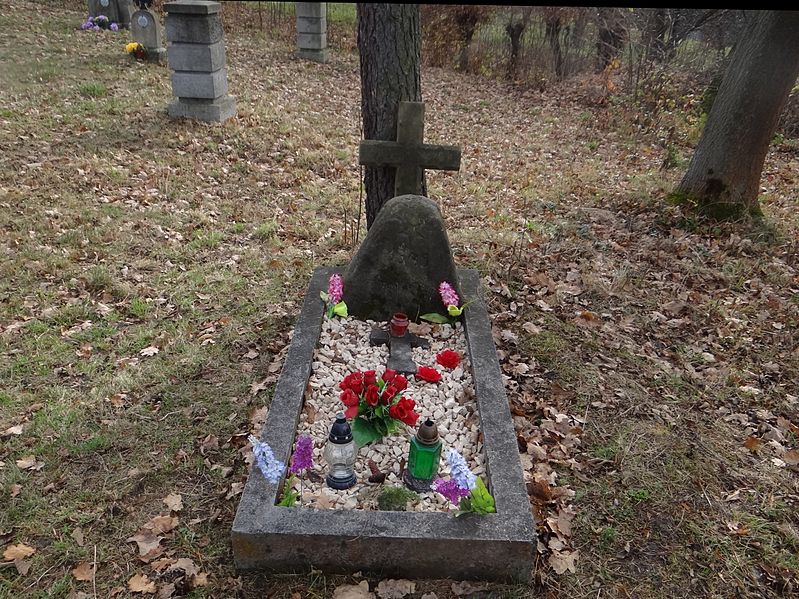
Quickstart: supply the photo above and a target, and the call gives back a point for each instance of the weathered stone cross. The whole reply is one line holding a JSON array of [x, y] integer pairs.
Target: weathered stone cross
[[408, 154], [399, 349]]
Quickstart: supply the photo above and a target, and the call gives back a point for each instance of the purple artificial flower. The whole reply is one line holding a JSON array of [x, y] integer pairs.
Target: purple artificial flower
[[96, 28], [114, 27], [450, 489], [302, 459], [335, 289], [448, 294]]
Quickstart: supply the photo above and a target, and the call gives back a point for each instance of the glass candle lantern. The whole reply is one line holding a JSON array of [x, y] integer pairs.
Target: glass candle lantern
[[399, 324], [340, 453], [424, 456]]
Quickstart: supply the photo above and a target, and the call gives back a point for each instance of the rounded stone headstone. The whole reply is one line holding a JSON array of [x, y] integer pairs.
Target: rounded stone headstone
[[401, 263]]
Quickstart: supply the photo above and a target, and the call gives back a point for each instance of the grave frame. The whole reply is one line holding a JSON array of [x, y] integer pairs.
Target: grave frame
[[498, 546]]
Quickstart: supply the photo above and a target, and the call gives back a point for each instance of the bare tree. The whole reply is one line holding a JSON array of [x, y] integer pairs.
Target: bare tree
[[389, 44], [723, 177]]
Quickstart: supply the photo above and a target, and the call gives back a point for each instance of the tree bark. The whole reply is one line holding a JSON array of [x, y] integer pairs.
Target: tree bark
[[611, 36], [389, 44], [552, 35], [723, 178]]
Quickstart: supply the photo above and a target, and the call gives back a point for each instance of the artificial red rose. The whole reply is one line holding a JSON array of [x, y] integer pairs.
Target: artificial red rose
[[403, 410], [369, 378], [353, 381], [388, 393], [351, 412], [400, 382], [449, 359], [372, 395], [349, 398], [431, 375], [388, 375]]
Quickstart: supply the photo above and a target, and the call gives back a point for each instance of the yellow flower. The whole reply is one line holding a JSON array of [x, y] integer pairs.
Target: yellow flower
[[131, 47]]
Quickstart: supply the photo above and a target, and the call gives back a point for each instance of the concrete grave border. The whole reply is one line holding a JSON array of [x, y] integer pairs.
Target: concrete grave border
[[497, 546]]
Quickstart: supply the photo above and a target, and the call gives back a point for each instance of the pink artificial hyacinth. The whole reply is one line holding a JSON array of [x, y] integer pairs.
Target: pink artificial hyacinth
[[448, 294], [335, 289]]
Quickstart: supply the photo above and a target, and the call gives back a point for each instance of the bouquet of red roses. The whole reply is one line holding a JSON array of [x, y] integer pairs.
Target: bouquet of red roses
[[376, 404]]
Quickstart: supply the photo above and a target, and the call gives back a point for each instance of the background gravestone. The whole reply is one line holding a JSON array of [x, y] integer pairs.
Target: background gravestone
[[117, 11], [196, 54], [312, 30], [145, 29], [401, 263]]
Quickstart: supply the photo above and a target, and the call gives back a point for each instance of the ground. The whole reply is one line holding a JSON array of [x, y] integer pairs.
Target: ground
[[153, 270]]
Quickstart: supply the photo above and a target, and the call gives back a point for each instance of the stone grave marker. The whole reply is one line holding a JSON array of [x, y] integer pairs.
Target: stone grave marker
[[401, 263], [117, 11], [196, 54], [409, 155], [145, 29], [312, 30]]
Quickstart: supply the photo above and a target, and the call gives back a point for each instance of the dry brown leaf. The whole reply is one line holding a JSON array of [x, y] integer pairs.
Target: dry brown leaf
[[29, 461], [353, 591], [22, 566], [395, 588], [141, 584], [149, 351], [563, 561], [15, 490], [83, 571], [161, 524], [18, 551], [791, 457], [174, 502], [166, 591], [77, 534], [12, 430], [146, 541], [752, 443]]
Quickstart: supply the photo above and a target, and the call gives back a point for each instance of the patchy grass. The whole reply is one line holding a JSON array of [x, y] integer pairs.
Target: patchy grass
[[667, 343]]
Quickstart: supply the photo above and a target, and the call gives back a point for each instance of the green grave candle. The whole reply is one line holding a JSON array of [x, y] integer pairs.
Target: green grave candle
[[425, 453]]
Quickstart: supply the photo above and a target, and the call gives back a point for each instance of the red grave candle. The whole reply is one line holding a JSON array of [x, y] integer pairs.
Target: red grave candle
[[399, 324]]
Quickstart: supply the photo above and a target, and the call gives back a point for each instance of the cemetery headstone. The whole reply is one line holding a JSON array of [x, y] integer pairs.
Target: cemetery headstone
[[117, 11], [196, 54], [409, 155], [401, 263], [312, 30], [145, 29]]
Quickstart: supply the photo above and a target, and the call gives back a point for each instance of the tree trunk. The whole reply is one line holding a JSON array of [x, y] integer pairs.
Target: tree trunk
[[552, 35], [389, 44], [514, 31], [723, 177], [611, 36]]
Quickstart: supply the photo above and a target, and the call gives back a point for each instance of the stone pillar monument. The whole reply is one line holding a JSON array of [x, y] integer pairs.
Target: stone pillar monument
[[312, 30], [196, 54], [145, 29]]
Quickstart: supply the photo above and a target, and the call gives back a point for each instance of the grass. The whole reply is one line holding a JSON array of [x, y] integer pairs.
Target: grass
[[198, 240]]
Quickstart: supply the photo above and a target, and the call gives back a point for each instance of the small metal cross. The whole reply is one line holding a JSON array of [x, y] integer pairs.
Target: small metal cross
[[399, 349]]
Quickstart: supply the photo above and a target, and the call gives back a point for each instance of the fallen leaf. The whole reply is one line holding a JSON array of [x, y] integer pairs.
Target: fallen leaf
[[353, 591], [27, 462], [146, 541], [752, 443], [252, 354], [174, 502], [563, 561], [18, 551], [83, 571], [149, 351], [22, 566], [161, 524], [15, 490], [13, 430], [141, 584], [467, 588], [395, 589], [166, 591], [77, 534]]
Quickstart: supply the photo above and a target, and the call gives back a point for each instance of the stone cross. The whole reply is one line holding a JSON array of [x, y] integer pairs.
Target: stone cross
[[312, 30], [409, 155], [399, 349]]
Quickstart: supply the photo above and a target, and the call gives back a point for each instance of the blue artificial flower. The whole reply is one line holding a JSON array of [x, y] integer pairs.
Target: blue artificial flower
[[270, 466], [460, 470], [114, 27]]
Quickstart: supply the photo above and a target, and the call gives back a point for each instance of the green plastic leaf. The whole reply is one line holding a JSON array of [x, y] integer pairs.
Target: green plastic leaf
[[290, 496], [481, 500], [454, 311], [324, 296], [435, 317], [363, 432], [340, 309]]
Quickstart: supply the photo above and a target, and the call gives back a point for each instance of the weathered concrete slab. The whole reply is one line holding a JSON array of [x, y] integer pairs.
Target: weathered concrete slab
[[497, 546], [196, 57]]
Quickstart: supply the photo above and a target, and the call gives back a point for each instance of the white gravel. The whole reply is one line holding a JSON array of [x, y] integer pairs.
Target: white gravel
[[343, 348]]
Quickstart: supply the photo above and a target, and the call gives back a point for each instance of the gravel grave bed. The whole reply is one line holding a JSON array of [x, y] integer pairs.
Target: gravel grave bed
[[343, 347]]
